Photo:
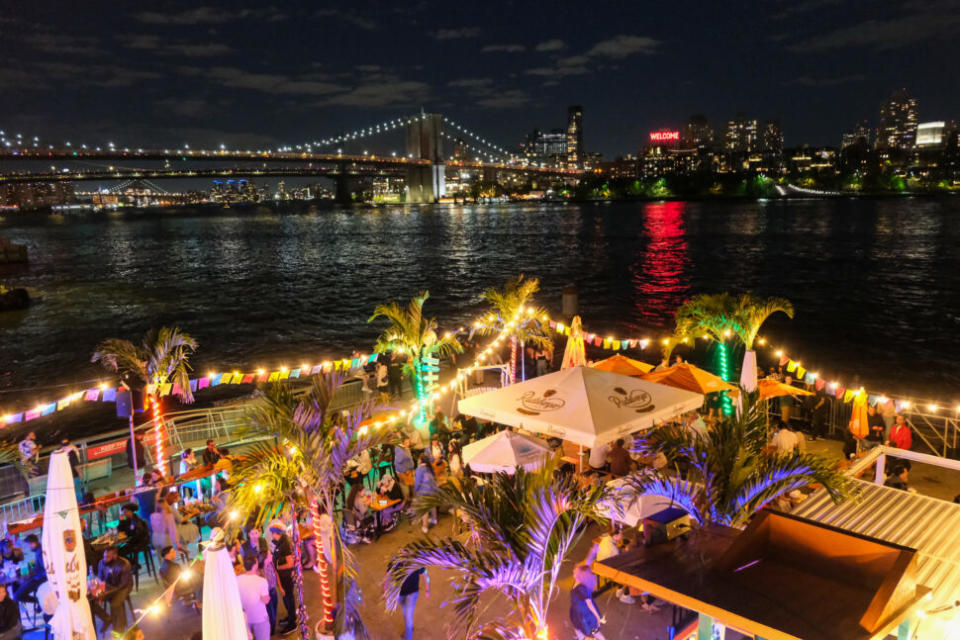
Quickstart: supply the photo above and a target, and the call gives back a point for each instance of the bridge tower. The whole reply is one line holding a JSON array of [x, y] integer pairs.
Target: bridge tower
[[426, 183]]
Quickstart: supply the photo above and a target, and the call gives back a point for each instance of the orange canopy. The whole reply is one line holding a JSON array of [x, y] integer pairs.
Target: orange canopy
[[623, 365], [686, 376], [774, 389]]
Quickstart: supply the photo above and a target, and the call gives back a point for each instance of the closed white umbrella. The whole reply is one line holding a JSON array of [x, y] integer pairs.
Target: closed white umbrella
[[583, 405], [223, 617], [575, 353], [63, 555], [504, 452]]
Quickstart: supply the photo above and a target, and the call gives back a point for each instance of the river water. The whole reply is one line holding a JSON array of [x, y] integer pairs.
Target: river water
[[876, 283]]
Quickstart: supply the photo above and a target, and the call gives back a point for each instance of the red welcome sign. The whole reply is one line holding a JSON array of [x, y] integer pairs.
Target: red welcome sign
[[107, 449]]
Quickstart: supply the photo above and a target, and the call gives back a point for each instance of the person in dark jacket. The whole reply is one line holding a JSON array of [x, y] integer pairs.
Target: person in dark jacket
[[38, 574], [10, 628], [117, 577], [136, 531]]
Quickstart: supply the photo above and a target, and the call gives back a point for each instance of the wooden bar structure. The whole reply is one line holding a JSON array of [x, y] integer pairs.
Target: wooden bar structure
[[782, 578]]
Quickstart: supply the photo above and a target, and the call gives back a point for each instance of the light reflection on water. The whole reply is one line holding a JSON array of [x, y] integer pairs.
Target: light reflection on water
[[876, 283]]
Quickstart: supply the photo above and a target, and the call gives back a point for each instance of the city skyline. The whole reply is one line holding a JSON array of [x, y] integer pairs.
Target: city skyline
[[267, 75]]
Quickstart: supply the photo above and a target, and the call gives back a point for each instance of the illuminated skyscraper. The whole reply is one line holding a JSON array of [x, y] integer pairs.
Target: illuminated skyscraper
[[697, 133], [898, 122], [741, 135], [575, 136]]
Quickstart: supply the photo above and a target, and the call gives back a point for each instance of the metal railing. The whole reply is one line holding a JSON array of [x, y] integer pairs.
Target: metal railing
[[227, 425]]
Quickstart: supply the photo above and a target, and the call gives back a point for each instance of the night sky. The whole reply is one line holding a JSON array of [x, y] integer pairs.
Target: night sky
[[256, 74]]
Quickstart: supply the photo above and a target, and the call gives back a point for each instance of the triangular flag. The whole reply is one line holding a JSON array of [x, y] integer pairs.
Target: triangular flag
[[616, 345], [50, 408], [566, 331], [784, 360], [597, 342], [791, 366], [264, 377], [91, 395], [165, 389], [273, 376], [840, 391], [283, 375], [373, 358], [801, 372], [246, 379], [176, 389], [325, 368], [194, 385], [553, 325], [820, 383], [848, 395], [606, 343], [217, 377], [203, 383], [294, 373]]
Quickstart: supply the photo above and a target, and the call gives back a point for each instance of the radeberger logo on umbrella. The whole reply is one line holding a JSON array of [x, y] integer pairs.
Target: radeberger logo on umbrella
[[534, 405], [635, 399]]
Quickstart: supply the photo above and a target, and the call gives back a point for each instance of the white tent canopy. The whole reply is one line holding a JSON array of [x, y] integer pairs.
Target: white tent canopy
[[584, 405], [504, 452]]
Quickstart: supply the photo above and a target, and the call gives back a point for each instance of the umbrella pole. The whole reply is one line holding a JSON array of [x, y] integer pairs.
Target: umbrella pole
[[133, 443], [580, 459]]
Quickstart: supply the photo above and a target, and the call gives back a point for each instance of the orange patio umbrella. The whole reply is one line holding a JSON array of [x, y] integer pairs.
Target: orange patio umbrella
[[774, 389], [623, 365], [689, 377]]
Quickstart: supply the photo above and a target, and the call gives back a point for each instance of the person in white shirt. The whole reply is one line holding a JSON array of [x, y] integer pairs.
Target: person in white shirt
[[598, 456], [254, 596], [785, 440]]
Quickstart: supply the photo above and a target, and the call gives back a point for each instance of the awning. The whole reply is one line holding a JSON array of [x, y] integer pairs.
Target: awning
[[582, 405]]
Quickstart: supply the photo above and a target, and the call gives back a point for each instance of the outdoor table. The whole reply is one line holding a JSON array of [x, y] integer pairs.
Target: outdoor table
[[379, 505]]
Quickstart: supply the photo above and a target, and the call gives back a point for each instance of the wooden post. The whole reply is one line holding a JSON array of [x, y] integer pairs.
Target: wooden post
[[705, 627]]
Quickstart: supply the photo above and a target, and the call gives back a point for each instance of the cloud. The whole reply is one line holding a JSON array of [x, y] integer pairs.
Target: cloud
[[623, 45], [186, 107], [924, 23], [551, 45], [200, 15], [382, 93], [470, 83], [63, 44], [348, 17], [510, 99], [809, 81], [503, 48], [456, 34], [803, 6], [266, 82], [162, 46]]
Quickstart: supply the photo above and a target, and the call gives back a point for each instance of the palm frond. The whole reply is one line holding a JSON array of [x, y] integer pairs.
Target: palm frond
[[752, 312]]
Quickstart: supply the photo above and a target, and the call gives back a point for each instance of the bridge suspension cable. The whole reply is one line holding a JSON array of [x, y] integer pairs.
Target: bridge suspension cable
[[477, 137], [482, 152], [358, 134]]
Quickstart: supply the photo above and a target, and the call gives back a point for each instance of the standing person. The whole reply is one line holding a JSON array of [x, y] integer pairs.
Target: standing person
[[878, 429], [900, 435], [395, 377], [211, 455], [786, 403], [29, 450], [542, 366], [383, 383], [73, 456], [425, 484], [254, 596], [888, 411], [455, 460], [283, 563], [621, 464], [584, 615], [598, 457], [135, 452], [409, 592], [117, 578], [820, 411]]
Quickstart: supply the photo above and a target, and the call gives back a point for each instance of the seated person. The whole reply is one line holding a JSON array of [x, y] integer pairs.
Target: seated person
[[358, 501], [37, 575], [388, 489], [134, 528], [170, 571], [898, 477], [10, 628], [10, 559], [117, 578]]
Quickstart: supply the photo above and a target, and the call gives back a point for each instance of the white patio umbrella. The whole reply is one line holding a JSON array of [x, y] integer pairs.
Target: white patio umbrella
[[584, 405], [222, 611], [505, 451], [63, 555]]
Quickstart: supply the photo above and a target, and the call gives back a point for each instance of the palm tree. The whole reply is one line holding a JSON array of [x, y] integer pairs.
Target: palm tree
[[511, 305], [522, 527], [411, 333], [732, 476], [304, 469], [162, 357], [751, 313]]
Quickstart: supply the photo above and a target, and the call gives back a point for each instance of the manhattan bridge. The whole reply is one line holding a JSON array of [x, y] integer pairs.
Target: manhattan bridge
[[423, 165]]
